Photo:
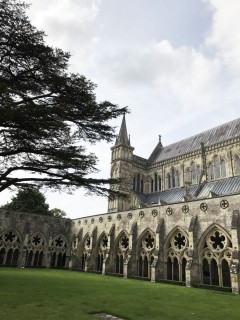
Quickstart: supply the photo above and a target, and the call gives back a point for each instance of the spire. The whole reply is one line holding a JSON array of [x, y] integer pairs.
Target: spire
[[122, 138]]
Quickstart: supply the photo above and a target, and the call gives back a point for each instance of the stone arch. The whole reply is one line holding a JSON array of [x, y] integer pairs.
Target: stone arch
[[36, 251], [215, 256], [145, 247], [121, 249], [176, 247], [58, 248], [102, 248], [10, 247], [85, 250]]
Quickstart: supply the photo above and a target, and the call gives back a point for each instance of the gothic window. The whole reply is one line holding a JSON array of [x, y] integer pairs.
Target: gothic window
[[169, 181], [194, 173], [173, 178], [188, 175], [237, 165], [138, 182], [142, 185], [102, 248], [58, 249], [217, 173], [121, 254], [177, 179], [151, 185], [198, 174], [134, 183], [216, 258], [147, 245], [36, 249], [10, 245], [159, 183], [155, 182], [176, 258], [210, 172], [223, 169]]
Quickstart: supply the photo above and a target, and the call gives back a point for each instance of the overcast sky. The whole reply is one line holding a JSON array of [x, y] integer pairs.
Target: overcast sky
[[175, 63]]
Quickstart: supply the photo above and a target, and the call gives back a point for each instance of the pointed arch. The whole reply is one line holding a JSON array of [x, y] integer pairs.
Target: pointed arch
[[145, 247], [11, 246], [36, 250], [175, 254], [58, 248], [215, 255], [121, 248]]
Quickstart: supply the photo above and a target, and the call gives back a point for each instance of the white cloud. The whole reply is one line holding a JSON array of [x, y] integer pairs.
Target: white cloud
[[176, 81], [224, 37]]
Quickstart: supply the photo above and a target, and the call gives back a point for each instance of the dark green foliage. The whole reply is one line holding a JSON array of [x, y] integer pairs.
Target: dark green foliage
[[30, 201], [58, 213], [46, 113]]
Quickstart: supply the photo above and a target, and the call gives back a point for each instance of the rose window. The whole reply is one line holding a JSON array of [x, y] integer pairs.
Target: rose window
[[124, 242], [36, 240], [179, 241], [59, 242], [217, 241], [149, 241], [9, 237]]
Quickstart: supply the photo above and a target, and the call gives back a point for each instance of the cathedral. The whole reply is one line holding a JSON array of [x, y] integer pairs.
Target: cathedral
[[178, 221]]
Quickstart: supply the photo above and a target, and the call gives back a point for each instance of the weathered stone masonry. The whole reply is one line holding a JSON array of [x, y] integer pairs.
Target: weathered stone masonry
[[180, 221]]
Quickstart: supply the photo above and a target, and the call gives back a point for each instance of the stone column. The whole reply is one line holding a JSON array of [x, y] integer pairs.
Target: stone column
[[153, 269], [234, 268]]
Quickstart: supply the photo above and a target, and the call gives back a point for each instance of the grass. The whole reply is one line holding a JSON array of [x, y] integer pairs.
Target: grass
[[62, 294]]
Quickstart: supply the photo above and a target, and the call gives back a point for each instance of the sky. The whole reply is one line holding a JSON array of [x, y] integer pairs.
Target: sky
[[174, 63]]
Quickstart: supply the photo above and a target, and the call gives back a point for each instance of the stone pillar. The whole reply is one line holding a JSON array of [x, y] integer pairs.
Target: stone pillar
[[153, 269], [234, 268], [104, 267], [48, 259], [125, 269]]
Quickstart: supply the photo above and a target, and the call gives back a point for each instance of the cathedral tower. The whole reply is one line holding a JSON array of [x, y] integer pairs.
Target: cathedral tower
[[121, 168]]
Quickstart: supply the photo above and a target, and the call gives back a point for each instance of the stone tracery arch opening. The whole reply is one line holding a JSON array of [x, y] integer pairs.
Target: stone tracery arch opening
[[10, 247], [58, 249], [176, 247], [215, 256], [102, 247], [36, 250], [145, 248], [121, 251]]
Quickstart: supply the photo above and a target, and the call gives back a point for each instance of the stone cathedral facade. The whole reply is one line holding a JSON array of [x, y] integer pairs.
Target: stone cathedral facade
[[179, 221]]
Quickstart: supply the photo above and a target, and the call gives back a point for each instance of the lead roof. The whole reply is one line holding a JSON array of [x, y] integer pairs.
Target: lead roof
[[218, 188], [210, 137]]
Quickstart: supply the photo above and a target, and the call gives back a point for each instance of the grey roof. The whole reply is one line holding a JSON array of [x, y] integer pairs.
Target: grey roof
[[168, 196], [219, 187], [218, 134]]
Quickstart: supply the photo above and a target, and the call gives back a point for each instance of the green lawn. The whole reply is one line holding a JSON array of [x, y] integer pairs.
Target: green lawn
[[62, 294]]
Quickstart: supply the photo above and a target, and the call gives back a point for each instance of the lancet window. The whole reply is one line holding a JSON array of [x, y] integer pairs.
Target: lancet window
[[237, 165], [173, 179], [217, 168], [138, 183]]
